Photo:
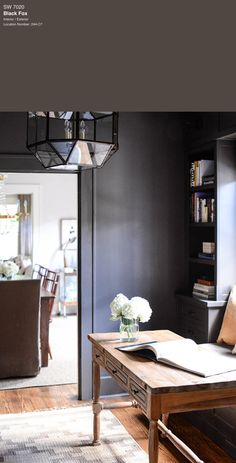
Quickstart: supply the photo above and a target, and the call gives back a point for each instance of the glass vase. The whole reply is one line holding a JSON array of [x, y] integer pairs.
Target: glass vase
[[129, 330]]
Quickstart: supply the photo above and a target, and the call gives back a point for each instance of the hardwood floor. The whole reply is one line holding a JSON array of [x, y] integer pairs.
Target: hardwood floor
[[42, 398], [137, 426]]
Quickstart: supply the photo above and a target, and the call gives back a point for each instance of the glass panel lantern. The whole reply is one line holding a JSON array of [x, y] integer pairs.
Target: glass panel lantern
[[72, 140]]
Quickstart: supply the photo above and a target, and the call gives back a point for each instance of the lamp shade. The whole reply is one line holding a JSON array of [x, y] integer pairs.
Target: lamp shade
[[72, 140]]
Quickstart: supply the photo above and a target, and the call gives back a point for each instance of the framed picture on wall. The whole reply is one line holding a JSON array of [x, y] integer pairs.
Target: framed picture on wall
[[68, 234]]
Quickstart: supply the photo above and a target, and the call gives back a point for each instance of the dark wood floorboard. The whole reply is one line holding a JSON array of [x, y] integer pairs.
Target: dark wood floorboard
[[42, 398]]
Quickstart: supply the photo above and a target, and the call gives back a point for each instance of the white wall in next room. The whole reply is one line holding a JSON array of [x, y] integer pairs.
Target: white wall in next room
[[55, 199]]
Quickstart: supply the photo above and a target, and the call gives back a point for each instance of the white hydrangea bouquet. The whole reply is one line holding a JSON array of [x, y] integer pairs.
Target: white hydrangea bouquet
[[130, 312], [8, 269]]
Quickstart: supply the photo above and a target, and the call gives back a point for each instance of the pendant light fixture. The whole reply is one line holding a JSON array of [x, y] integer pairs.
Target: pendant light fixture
[[72, 140]]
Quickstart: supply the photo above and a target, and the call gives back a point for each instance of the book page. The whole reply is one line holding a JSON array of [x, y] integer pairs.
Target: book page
[[204, 360], [163, 348], [179, 347]]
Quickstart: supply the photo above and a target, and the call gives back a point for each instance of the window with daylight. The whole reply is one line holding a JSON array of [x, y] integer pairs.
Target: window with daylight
[[15, 227]]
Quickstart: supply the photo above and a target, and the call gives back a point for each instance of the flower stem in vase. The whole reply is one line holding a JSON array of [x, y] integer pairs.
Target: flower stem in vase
[[129, 329]]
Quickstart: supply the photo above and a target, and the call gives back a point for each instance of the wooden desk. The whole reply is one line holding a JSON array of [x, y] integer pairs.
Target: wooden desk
[[156, 388], [45, 298]]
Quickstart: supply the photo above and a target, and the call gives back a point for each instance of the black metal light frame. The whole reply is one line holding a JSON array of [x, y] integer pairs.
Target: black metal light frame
[[72, 140]]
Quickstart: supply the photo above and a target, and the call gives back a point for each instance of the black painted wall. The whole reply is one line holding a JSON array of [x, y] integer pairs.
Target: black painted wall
[[137, 225], [139, 219], [131, 221]]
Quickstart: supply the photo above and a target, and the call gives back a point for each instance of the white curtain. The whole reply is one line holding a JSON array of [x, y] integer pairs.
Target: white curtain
[[25, 225]]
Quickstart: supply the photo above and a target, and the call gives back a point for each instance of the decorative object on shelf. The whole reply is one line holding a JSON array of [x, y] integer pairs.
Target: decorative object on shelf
[[208, 247], [8, 269], [72, 140], [130, 313]]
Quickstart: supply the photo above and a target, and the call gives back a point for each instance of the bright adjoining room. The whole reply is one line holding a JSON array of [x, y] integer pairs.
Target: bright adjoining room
[[38, 227]]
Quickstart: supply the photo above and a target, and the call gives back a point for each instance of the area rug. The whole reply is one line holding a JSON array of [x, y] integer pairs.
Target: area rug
[[65, 435]]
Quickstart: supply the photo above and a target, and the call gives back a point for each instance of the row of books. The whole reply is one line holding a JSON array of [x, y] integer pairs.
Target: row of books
[[201, 172], [204, 289], [202, 207]]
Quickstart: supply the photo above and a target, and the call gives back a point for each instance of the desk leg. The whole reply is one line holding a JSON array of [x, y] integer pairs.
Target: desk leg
[[96, 404], [153, 442]]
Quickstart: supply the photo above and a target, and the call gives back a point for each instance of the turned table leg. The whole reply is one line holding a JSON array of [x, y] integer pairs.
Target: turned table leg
[[153, 441], [96, 404]]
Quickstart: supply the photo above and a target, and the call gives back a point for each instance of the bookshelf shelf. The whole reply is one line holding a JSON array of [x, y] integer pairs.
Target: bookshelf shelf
[[202, 224], [197, 260], [202, 188]]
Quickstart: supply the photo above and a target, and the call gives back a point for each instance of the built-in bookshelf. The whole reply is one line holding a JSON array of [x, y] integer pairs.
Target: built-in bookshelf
[[211, 233], [212, 220], [211, 242], [201, 218]]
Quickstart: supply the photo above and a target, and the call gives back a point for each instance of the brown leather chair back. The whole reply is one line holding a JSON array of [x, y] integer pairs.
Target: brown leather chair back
[[19, 328]]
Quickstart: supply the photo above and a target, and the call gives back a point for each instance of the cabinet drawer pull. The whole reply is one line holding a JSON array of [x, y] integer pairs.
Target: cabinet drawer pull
[[135, 391], [114, 372]]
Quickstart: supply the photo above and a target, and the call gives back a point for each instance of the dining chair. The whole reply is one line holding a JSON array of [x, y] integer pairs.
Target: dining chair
[[19, 328], [51, 283], [39, 272]]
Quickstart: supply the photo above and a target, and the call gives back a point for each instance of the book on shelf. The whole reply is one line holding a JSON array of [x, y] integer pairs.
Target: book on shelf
[[202, 291], [186, 355], [208, 247], [202, 296], [202, 207], [204, 288], [199, 170], [205, 281], [208, 180], [206, 255]]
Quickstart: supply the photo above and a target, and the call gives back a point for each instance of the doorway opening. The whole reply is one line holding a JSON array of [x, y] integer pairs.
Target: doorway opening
[[50, 240]]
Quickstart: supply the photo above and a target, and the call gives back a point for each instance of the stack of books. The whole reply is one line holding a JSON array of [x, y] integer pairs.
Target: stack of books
[[204, 290]]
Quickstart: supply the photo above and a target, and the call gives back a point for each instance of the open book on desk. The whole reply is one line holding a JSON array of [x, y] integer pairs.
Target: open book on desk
[[201, 359]]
